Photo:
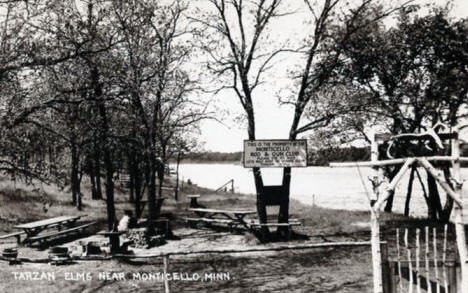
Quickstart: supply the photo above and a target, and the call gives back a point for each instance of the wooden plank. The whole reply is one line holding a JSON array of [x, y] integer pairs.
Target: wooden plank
[[47, 222], [210, 220], [239, 212], [275, 224], [418, 267], [255, 220], [165, 270], [12, 235]]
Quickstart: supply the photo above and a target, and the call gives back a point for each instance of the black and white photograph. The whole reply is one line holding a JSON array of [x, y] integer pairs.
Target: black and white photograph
[[233, 146]]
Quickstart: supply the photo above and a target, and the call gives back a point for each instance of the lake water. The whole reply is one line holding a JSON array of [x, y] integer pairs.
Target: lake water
[[338, 188]]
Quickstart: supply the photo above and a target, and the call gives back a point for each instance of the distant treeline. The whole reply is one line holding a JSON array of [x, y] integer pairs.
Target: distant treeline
[[213, 157], [315, 157], [324, 156]]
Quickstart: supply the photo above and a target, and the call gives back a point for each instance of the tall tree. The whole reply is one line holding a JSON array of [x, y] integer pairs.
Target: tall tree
[[241, 51], [414, 75]]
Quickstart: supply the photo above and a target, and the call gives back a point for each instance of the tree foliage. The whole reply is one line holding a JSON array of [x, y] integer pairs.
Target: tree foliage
[[96, 88]]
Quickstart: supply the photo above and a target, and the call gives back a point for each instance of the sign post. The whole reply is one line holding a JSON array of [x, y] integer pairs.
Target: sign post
[[274, 154]]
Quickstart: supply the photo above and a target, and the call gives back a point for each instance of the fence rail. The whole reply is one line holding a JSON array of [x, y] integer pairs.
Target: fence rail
[[231, 182]]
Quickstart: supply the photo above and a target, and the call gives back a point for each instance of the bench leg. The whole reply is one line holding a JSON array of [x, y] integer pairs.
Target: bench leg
[[191, 224], [262, 234], [18, 239], [193, 203]]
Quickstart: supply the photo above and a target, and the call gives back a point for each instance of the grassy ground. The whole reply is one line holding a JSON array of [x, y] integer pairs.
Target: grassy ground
[[312, 270]]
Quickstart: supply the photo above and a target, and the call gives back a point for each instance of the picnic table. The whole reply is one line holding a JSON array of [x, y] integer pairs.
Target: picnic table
[[193, 200], [232, 218], [33, 229]]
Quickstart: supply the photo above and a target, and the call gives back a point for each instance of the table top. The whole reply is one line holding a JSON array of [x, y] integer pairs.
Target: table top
[[47, 222], [237, 212], [193, 195], [107, 233]]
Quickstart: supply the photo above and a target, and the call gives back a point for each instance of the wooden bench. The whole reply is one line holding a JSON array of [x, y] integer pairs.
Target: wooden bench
[[43, 237], [230, 223], [16, 234], [209, 220], [233, 218], [290, 224]]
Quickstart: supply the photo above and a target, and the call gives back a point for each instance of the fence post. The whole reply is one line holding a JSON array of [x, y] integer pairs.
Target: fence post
[[375, 228], [459, 215], [452, 278], [376, 254], [386, 271], [165, 269]]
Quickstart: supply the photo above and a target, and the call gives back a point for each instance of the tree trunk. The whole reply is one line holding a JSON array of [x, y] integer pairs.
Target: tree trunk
[[176, 191], [131, 188], [151, 173], [105, 145], [109, 188], [261, 204], [161, 175], [410, 191], [97, 172], [74, 172], [92, 178], [434, 205], [131, 161], [52, 162], [79, 203], [448, 207], [391, 174], [136, 174], [283, 216]]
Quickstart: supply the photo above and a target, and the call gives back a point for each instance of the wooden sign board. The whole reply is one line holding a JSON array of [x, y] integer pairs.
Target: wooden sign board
[[275, 153]]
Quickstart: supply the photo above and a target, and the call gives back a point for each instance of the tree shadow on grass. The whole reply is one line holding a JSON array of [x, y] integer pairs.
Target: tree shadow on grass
[[279, 236]]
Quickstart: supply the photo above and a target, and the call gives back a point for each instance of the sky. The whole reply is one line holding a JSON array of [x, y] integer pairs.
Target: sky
[[272, 121]]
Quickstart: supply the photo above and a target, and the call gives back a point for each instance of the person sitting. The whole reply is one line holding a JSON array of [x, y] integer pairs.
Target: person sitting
[[127, 221]]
